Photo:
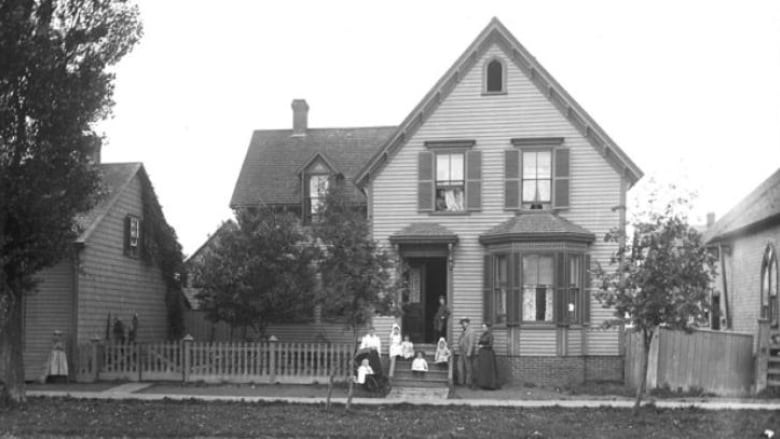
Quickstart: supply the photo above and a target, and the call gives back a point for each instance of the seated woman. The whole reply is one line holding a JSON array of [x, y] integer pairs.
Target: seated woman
[[370, 348]]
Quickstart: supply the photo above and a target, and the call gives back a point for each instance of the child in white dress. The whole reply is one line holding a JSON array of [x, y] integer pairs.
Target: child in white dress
[[395, 346], [407, 348], [419, 365], [443, 353]]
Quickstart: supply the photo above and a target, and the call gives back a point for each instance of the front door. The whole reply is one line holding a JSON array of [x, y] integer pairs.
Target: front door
[[427, 280]]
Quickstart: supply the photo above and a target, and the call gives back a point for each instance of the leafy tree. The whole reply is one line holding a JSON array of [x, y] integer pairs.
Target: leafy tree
[[662, 277], [258, 272], [54, 85], [355, 270]]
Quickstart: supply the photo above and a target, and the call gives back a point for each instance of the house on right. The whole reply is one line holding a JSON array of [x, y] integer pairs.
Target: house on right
[[747, 239]]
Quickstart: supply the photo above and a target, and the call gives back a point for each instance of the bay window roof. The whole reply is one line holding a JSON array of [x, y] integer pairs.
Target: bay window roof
[[537, 226]]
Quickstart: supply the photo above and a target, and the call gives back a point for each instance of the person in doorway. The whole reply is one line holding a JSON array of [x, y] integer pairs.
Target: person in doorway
[[440, 319], [466, 348], [487, 370], [395, 347]]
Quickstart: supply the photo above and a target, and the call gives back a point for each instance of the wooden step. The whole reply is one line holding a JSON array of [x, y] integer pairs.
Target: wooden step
[[409, 382]]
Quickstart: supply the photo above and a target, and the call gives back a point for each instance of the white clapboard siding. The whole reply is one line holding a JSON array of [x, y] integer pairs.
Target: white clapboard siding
[[111, 282], [539, 342], [50, 308], [574, 342], [492, 120]]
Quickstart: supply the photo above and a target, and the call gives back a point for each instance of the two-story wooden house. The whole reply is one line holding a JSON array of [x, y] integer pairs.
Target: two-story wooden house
[[495, 191], [105, 277]]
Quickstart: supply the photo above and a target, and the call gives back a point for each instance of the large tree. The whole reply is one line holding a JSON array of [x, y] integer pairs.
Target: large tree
[[355, 270], [54, 85], [258, 272], [661, 277]]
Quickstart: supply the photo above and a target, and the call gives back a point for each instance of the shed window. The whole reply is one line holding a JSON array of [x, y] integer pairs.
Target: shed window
[[495, 77]]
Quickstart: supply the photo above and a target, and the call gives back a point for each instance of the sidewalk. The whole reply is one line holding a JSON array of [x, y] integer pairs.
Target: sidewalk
[[142, 391]]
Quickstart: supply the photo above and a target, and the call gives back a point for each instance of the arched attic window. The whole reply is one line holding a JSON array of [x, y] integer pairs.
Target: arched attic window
[[769, 287], [494, 77]]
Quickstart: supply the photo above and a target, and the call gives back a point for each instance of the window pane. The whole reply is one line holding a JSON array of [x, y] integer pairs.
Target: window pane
[[529, 304], [544, 190], [545, 270], [544, 164], [529, 165], [494, 73], [456, 167], [442, 167], [529, 190], [499, 302], [530, 270], [575, 271]]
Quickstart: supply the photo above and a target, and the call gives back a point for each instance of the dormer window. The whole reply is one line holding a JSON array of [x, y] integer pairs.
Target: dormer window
[[318, 188], [494, 77]]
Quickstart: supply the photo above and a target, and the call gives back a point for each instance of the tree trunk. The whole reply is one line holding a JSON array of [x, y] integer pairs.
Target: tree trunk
[[351, 378], [647, 338], [11, 360]]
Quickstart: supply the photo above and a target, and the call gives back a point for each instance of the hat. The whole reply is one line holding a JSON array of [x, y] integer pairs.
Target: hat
[[465, 319]]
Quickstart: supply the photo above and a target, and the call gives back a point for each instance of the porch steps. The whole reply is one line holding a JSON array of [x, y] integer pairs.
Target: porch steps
[[432, 385], [773, 362]]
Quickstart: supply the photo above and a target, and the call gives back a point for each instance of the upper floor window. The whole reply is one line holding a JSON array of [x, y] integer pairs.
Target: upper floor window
[[449, 177], [317, 189], [132, 236], [769, 286], [450, 182], [536, 175], [494, 77]]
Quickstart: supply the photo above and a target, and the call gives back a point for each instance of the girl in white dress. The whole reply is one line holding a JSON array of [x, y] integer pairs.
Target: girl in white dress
[[395, 346]]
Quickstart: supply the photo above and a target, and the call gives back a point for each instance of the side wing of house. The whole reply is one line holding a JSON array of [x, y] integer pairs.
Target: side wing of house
[[49, 309], [113, 276], [500, 196]]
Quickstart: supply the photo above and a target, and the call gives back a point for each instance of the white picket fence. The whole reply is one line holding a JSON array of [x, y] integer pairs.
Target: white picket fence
[[189, 361]]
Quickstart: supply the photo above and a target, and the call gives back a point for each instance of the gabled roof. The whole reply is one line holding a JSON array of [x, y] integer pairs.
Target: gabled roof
[[538, 225], [114, 178], [495, 32], [270, 173], [760, 207]]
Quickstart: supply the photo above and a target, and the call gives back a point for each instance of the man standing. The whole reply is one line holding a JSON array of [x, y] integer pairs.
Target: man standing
[[467, 347]]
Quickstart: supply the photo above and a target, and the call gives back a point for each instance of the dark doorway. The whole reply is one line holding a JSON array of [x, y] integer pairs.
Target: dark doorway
[[427, 281]]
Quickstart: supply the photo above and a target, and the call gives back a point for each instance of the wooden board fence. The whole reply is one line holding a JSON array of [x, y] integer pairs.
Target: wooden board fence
[[188, 361], [715, 361]]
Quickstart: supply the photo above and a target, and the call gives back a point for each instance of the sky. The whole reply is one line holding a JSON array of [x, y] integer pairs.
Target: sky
[[690, 90]]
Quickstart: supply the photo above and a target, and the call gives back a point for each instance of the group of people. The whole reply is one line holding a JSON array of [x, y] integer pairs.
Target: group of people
[[476, 354]]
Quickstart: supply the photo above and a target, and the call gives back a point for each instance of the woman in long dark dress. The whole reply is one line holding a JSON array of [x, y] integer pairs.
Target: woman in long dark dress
[[487, 370]]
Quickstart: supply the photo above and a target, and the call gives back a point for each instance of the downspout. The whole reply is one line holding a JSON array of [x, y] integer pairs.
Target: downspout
[[722, 254]]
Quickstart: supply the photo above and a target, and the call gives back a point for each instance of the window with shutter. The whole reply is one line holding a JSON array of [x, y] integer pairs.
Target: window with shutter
[[561, 180], [425, 182], [132, 236], [537, 176], [487, 289], [512, 179], [450, 177]]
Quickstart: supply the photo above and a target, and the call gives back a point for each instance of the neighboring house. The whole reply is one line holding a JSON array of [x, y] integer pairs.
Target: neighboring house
[[105, 274], [495, 191], [747, 239]]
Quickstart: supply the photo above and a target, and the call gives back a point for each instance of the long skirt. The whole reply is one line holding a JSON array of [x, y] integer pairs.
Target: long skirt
[[373, 360], [487, 370]]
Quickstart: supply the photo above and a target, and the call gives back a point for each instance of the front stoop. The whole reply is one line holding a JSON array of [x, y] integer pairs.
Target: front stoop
[[417, 394]]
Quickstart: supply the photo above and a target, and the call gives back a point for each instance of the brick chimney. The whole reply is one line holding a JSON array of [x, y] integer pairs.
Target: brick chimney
[[300, 117], [710, 219]]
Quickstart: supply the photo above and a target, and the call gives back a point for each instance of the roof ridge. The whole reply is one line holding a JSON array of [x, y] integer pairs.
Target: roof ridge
[[327, 128], [721, 227]]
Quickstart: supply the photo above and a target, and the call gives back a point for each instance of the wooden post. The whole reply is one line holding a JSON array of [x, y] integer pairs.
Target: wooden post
[[272, 360], [186, 345], [94, 366], [138, 364], [762, 354]]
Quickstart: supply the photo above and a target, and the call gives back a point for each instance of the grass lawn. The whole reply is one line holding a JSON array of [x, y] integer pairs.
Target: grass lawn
[[109, 418]]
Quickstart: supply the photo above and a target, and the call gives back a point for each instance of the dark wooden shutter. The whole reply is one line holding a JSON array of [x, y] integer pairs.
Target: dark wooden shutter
[[513, 301], [425, 186], [127, 235], [511, 179], [473, 180], [559, 296], [561, 179], [585, 291], [487, 292]]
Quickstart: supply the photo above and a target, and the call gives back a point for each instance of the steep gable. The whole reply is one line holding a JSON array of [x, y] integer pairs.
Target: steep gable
[[114, 178], [496, 34]]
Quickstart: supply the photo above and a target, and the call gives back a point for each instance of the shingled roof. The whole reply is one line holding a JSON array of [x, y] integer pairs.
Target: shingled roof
[[537, 226], [761, 207], [270, 173], [114, 177], [424, 233]]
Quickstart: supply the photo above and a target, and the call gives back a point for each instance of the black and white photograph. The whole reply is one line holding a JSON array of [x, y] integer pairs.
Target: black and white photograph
[[354, 219]]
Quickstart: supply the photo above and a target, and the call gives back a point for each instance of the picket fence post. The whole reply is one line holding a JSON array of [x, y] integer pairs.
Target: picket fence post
[[186, 355], [272, 360]]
